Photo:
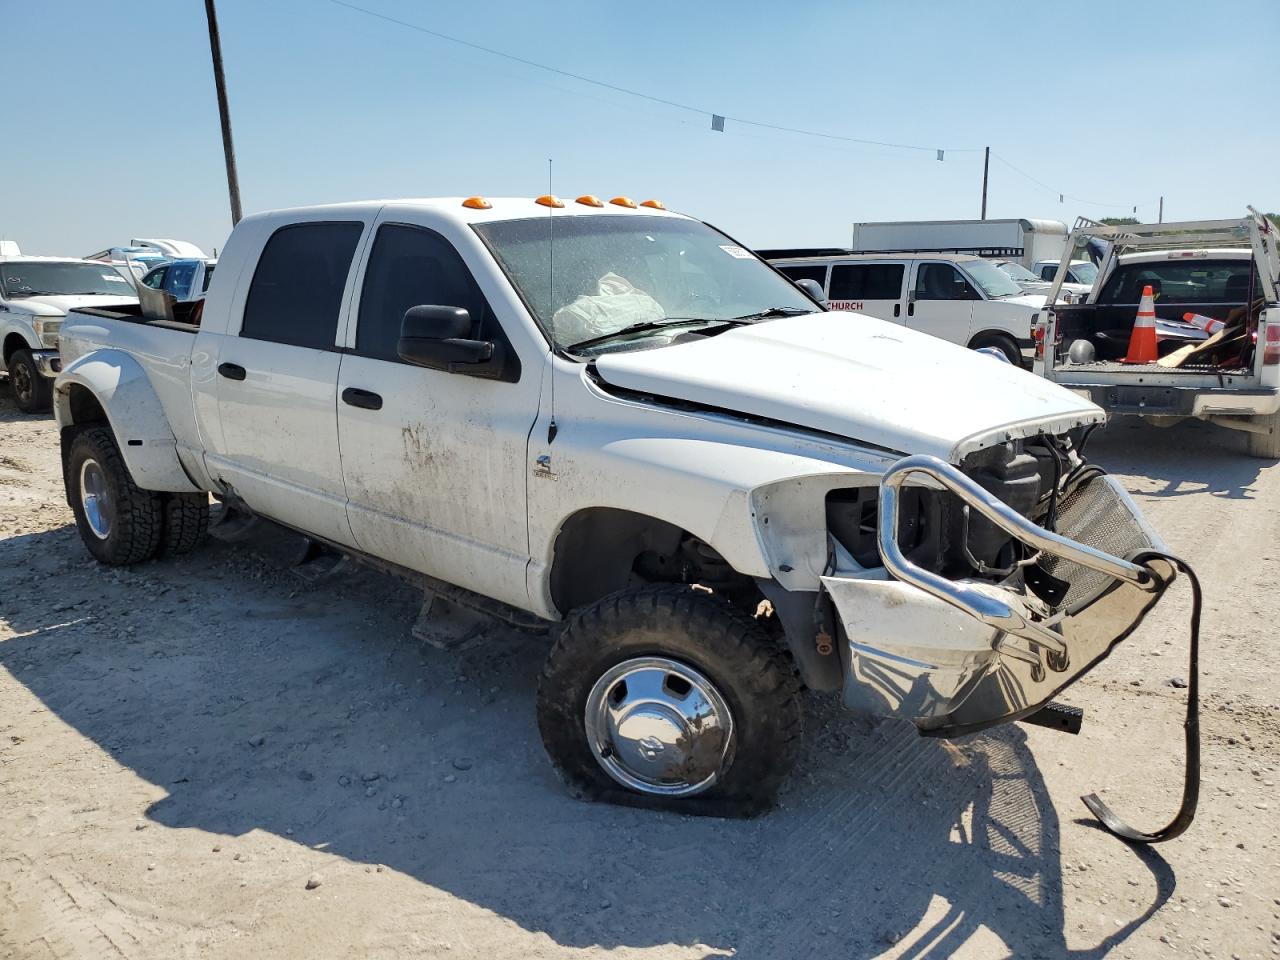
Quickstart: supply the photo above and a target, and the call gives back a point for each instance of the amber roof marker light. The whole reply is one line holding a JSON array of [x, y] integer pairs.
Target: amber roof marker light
[[547, 200], [588, 200], [623, 202], [477, 203], [654, 204]]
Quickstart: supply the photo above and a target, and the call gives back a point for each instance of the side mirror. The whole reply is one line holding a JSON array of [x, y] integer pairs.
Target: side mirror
[[439, 338], [813, 289]]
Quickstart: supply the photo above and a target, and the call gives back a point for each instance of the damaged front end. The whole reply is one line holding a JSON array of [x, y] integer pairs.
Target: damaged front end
[[958, 654], [981, 615]]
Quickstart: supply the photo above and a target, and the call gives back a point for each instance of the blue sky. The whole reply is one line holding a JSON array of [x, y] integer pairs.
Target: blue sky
[[1117, 103]]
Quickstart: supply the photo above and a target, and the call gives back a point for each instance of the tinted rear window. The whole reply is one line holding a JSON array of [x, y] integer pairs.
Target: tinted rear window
[[1183, 281], [297, 288], [866, 281]]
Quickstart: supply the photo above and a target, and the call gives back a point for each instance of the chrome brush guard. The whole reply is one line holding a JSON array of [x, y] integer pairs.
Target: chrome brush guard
[[950, 675]]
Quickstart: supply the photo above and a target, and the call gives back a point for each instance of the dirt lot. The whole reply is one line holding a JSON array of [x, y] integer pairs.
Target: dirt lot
[[185, 744]]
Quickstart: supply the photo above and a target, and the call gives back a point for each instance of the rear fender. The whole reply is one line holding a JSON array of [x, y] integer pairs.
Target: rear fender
[[133, 410]]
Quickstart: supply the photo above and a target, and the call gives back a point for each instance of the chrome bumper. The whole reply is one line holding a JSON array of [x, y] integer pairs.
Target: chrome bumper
[[47, 362], [954, 656]]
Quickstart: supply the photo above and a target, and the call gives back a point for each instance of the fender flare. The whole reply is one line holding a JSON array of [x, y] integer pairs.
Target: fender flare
[[134, 412]]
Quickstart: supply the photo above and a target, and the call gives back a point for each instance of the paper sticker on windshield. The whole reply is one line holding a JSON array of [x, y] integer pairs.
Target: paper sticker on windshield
[[736, 251], [114, 278]]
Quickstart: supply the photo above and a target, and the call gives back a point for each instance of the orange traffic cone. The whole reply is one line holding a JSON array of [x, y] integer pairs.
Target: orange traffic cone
[[1142, 342]]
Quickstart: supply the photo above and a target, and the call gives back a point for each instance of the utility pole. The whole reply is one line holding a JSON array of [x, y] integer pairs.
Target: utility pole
[[1161, 220], [986, 162], [224, 114]]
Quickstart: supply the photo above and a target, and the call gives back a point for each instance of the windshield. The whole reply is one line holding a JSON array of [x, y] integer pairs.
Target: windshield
[[1085, 272], [1018, 273], [615, 272], [32, 278], [993, 281]]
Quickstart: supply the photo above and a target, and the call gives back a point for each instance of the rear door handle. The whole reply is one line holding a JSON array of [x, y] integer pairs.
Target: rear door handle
[[897, 309], [365, 399], [232, 371]]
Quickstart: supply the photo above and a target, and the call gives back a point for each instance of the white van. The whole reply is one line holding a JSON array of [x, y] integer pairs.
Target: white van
[[964, 299]]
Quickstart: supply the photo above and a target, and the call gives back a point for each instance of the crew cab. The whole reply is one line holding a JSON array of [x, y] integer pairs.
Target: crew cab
[[961, 298], [1223, 273], [612, 421], [35, 294]]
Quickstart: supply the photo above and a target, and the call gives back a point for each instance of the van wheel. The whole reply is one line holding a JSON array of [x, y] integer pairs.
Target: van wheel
[[32, 393], [669, 697], [186, 521], [118, 522], [1266, 446], [1006, 345]]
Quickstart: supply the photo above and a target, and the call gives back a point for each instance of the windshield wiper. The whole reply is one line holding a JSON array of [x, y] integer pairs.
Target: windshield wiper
[[775, 312], [641, 328]]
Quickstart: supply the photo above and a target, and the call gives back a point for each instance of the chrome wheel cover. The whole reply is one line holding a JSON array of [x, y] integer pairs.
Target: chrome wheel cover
[[95, 499], [658, 726]]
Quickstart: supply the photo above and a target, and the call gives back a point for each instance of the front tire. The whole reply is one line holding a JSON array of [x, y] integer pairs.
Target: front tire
[[1006, 345], [1265, 446], [119, 522], [32, 393], [669, 697]]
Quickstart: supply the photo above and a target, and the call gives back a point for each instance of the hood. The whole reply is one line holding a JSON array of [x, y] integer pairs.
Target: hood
[[57, 306], [857, 377], [1040, 290], [1034, 300]]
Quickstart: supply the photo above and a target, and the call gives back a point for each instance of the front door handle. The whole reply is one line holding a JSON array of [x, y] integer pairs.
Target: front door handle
[[911, 309], [365, 399], [232, 371]]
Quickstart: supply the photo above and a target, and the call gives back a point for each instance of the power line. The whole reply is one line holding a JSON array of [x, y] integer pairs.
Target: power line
[[717, 120], [636, 93], [1067, 196]]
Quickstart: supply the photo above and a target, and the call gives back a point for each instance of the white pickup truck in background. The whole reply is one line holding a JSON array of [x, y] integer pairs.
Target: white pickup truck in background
[[617, 420], [35, 295], [1220, 270]]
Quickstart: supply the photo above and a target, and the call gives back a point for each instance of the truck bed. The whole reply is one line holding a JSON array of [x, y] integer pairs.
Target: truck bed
[[1109, 326], [186, 315]]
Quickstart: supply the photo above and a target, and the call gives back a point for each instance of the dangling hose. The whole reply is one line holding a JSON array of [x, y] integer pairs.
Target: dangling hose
[[1191, 731]]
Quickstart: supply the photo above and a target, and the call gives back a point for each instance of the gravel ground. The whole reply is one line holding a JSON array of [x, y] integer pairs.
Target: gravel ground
[[211, 757]]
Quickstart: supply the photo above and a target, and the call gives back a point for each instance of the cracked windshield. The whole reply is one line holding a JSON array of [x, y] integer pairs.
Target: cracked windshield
[[617, 282]]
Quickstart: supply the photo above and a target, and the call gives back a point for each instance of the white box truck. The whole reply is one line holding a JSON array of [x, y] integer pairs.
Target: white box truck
[[1026, 241]]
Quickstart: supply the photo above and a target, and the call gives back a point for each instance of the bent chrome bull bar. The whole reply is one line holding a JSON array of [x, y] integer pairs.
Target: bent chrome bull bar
[[978, 604], [1143, 575]]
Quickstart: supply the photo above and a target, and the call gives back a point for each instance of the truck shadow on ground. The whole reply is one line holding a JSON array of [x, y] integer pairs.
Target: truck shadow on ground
[[382, 751], [1191, 457]]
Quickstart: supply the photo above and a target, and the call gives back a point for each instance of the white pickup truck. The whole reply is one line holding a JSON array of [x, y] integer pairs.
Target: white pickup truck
[[615, 420], [1221, 274], [35, 295]]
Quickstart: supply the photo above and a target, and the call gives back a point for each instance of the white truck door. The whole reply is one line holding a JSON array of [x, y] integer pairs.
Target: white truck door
[[277, 381], [940, 302], [434, 461], [875, 289]]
